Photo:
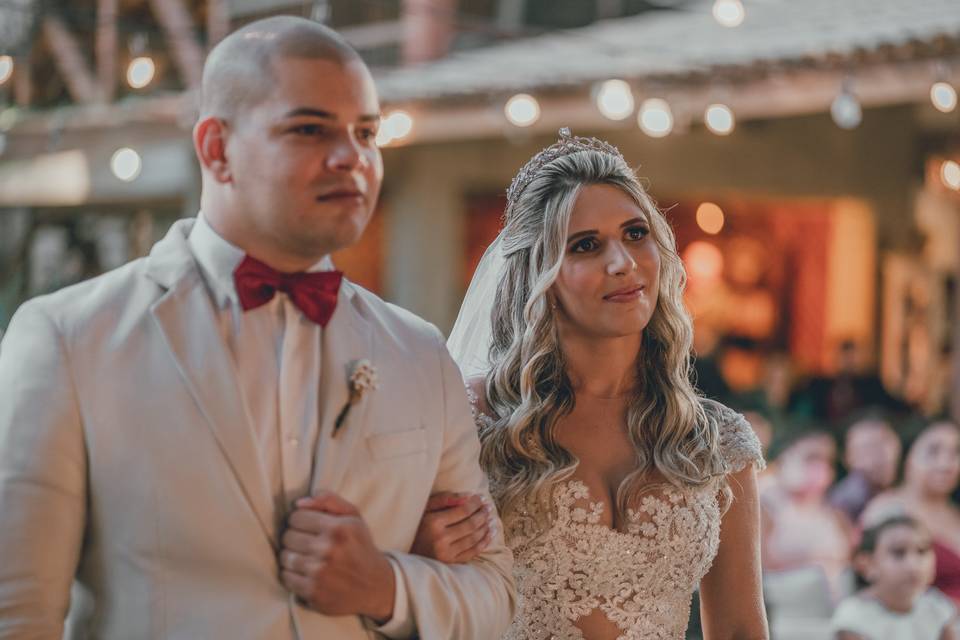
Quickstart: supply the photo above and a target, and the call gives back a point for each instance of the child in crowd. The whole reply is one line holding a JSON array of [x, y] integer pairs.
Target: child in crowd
[[895, 566], [800, 530]]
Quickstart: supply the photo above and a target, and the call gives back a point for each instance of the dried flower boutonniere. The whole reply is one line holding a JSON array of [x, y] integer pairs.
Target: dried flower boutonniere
[[362, 378]]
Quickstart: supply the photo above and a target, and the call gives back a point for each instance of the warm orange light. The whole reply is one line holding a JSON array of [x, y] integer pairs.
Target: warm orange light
[[704, 261], [710, 218]]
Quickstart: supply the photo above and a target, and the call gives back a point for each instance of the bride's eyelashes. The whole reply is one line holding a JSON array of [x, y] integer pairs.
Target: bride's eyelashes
[[590, 244]]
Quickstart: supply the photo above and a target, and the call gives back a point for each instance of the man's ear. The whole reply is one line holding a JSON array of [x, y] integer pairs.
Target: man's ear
[[210, 144]]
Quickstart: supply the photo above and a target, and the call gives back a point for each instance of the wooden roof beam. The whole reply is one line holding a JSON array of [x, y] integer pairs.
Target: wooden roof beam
[[106, 48], [184, 46], [69, 59]]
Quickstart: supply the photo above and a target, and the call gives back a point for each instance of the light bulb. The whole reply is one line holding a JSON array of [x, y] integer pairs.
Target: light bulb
[[943, 96], [522, 110], [126, 164], [6, 68], [140, 72], [655, 119], [710, 218], [729, 13], [950, 174], [845, 110], [720, 119], [615, 100]]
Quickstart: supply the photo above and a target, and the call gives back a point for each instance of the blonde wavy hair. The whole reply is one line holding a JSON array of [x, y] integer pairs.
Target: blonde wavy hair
[[527, 390]]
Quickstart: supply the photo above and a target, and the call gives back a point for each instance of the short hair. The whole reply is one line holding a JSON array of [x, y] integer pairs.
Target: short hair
[[237, 72], [871, 536]]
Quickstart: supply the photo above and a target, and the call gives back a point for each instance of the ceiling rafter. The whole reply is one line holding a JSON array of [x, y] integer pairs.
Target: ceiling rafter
[[68, 57], [185, 48]]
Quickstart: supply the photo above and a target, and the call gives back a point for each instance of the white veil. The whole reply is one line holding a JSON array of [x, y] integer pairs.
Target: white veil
[[472, 334]]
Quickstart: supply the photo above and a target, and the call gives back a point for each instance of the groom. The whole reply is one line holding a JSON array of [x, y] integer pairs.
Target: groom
[[225, 439]]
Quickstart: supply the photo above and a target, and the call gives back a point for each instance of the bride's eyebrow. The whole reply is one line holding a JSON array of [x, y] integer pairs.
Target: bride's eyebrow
[[582, 234]]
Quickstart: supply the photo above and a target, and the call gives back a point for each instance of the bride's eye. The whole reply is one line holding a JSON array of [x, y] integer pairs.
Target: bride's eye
[[584, 245], [637, 233]]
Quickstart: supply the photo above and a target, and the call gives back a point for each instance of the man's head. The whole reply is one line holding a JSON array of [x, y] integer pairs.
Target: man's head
[[873, 449], [288, 119]]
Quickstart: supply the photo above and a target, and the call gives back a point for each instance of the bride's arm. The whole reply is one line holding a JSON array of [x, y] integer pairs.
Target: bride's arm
[[731, 596]]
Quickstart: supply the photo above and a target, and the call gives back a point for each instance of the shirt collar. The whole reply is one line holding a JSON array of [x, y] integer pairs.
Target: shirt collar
[[219, 258]]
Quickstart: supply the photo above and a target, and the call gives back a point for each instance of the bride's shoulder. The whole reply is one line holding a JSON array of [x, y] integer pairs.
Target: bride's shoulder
[[739, 444]]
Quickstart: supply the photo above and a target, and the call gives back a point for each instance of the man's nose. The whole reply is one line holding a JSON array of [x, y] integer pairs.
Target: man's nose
[[345, 155]]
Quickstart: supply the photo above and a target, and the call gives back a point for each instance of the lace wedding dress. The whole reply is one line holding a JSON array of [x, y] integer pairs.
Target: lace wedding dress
[[642, 577]]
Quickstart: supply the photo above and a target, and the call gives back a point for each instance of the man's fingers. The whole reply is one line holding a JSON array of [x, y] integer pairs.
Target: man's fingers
[[328, 502], [316, 522], [299, 563], [296, 583], [304, 543], [445, 500]]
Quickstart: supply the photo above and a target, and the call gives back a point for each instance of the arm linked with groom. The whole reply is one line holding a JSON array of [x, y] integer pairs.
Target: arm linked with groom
[[225, 439]]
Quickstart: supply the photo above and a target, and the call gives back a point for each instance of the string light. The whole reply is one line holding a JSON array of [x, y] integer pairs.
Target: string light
[[943, 96], [6, 68], [704, 261], [729, 13], [845, 110], [126, 164], [396, 126], [655, 118], [710, 218], [140, 72], [522, 110], [615, 100], [719, 119], [950, 174]]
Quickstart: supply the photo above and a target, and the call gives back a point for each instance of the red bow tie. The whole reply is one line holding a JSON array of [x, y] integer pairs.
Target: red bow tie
[[315, 294]]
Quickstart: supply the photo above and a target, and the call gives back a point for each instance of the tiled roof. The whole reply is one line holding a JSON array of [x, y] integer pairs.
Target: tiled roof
[[676, 43]]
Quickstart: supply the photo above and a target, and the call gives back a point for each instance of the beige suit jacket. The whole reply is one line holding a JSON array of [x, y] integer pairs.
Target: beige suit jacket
[[128, 468]]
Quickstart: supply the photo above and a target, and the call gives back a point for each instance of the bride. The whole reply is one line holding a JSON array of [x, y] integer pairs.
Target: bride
[[620, 489]]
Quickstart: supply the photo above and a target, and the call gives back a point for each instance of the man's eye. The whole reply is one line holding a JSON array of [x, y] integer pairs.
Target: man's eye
[[308, 129], [367, 134], [585, 245]]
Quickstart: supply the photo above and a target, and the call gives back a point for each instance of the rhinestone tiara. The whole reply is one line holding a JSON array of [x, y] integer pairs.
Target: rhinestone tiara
[[567, 144]]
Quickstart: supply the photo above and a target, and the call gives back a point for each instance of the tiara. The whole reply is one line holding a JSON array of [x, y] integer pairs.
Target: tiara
[[567, 144]]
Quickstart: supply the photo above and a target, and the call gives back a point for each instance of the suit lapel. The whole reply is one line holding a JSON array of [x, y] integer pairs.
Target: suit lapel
[[185, 317], [348, 337]]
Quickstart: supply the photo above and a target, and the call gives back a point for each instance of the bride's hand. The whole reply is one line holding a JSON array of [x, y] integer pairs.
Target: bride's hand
[[455, 528]]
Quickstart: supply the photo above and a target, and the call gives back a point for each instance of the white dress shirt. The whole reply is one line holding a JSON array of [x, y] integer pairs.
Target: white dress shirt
[[276, 354]]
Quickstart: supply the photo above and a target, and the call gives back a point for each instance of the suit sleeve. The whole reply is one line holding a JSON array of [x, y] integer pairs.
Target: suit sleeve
[[42, 478], [460, 601]]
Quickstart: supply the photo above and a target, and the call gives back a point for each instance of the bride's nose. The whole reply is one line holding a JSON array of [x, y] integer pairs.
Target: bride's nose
[[620, 261]]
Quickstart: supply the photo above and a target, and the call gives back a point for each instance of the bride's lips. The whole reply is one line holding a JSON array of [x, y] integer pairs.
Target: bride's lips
[[626, 294]]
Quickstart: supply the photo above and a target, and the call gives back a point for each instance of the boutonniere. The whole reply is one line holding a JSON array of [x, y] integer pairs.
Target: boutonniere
[[363, 378]]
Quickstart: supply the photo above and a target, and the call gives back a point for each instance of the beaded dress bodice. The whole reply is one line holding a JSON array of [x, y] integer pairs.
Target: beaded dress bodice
[[641, 576]]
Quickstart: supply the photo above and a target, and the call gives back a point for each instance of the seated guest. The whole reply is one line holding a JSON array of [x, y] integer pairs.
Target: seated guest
[[895, 567], [931, 474], [871, 455], [800, 529]]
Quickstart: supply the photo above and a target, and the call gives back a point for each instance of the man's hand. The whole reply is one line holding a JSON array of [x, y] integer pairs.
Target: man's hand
[[330, 561]]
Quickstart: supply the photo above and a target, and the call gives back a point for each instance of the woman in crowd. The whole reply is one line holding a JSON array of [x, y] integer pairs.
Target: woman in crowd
[[931, 474]]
